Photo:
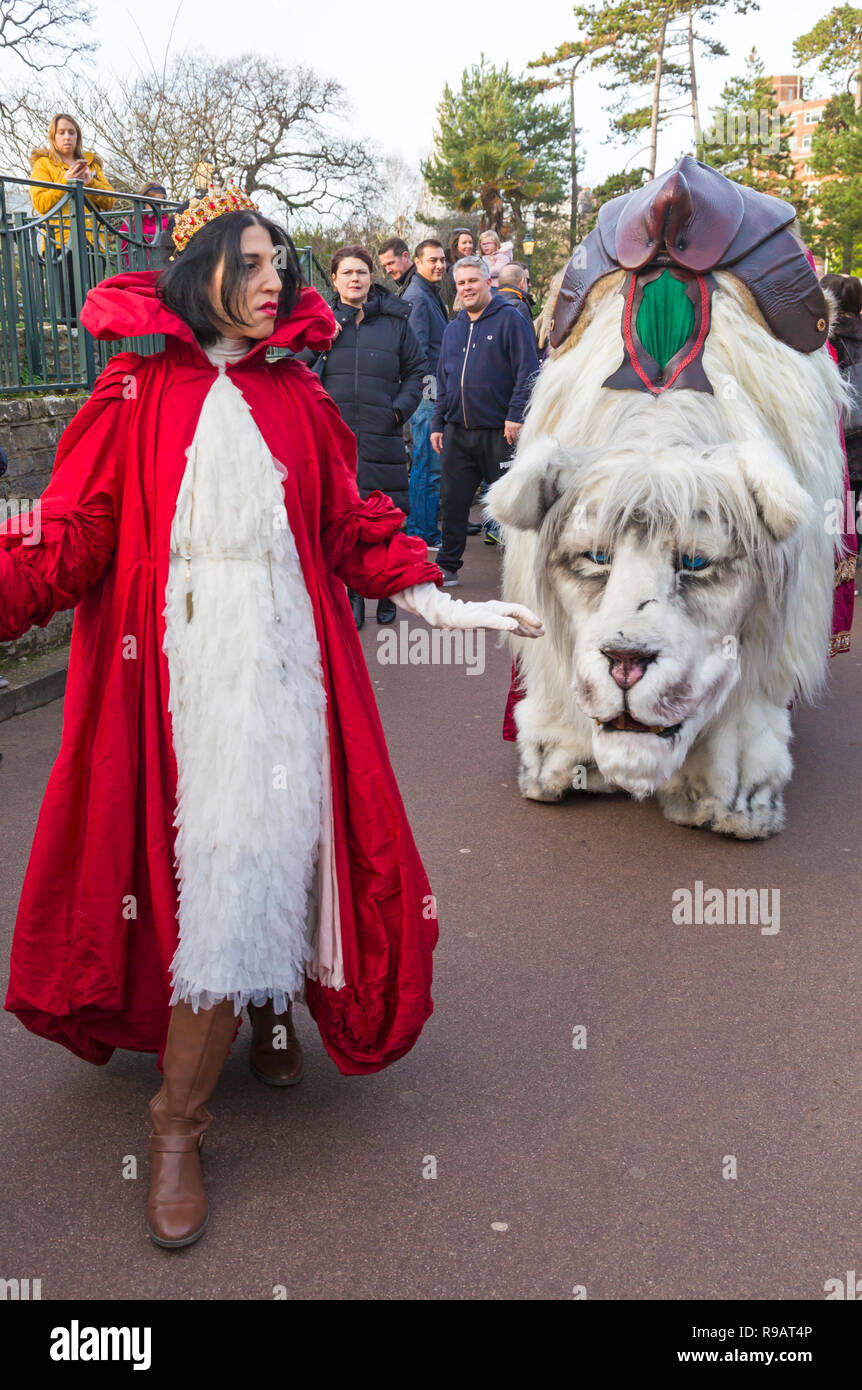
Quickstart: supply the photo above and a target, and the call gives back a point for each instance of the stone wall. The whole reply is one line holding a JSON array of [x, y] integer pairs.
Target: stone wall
[[29, 430]]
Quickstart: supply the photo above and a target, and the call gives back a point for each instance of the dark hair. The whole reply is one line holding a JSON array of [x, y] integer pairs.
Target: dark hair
[[429, 241], [395, 244], [344, 253], [847, 290], [452, 252], [184, 285]]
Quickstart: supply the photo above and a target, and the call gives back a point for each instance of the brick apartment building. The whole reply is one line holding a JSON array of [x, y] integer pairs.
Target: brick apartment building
[[804, 116]]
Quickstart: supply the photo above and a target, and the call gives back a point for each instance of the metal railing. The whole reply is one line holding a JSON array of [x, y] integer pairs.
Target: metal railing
[[49, 261], [312, 271]]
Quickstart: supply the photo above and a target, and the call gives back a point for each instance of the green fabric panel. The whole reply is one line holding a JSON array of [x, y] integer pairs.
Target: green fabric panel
[[665, 319]]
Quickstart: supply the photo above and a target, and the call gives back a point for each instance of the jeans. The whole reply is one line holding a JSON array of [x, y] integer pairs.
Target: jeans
[[424, 478]]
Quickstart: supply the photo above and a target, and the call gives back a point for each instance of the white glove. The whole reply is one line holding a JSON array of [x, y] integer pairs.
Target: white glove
[[440, 610]]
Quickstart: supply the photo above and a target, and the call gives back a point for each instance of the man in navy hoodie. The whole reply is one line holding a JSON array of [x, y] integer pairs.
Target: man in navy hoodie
[[485, 372]]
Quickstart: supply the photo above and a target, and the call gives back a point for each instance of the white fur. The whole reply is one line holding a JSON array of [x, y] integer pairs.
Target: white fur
[[247, 705], [744, 475]]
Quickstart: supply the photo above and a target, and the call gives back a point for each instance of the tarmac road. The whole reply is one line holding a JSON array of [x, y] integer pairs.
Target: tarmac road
[[557, 1167]]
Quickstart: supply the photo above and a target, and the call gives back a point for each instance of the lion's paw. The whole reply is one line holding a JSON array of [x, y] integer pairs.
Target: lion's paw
[[549, 770], [754, 816], [760, 815]]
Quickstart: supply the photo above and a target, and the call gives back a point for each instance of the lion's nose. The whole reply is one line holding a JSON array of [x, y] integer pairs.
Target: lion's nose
[[628, 667]]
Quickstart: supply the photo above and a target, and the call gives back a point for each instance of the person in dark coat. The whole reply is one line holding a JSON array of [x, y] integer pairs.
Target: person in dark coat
[[514, 287], [428, 319], [394, 256], [374, 372], [845, 335]]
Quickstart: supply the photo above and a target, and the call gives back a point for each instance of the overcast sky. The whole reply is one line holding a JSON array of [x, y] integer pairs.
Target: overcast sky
[[395, 60]]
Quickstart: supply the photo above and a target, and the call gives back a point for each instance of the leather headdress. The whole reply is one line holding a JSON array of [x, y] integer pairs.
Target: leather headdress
[[697, 220]]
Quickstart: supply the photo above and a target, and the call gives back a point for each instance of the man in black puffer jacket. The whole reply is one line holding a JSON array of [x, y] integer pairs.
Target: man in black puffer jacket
[[374, 372]]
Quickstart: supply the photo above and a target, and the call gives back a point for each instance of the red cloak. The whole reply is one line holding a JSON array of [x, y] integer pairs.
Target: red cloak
[[97, 923]]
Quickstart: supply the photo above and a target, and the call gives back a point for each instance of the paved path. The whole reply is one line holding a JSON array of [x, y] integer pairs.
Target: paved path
[[604, 1164]]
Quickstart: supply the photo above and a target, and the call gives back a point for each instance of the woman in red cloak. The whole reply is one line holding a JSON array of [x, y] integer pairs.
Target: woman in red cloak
[[222, 827]]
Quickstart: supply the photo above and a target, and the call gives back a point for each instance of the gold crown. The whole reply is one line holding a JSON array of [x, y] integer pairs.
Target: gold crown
[[214, 203]]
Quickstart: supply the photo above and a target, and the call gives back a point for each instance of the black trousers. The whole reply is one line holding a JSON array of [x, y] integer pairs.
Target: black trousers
[[469, 458]]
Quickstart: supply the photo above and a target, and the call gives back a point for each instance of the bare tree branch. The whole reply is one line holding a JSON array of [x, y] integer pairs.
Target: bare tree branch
[[279, 132], [43, 33]]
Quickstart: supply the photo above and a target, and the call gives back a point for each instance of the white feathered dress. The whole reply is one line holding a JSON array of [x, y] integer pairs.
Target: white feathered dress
[[247, 701]]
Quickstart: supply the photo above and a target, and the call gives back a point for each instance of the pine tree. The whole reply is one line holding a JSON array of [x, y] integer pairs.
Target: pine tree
[[834, 227], [632, 39], [747, 139], [564, 64], [498, 148], [836, 40]]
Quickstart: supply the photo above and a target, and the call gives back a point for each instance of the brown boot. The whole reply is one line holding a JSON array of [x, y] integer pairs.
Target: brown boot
[[271, 1062], [195, 1051]]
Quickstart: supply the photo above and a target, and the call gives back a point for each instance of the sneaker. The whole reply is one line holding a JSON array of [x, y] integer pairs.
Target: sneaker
[[492, 535], [450, 579]]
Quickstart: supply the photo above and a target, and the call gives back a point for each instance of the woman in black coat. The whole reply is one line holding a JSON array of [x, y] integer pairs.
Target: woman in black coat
[[374, 372]]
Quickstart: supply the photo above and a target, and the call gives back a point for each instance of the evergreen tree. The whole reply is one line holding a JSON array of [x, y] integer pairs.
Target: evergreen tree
[[498, 148], [834, 226], [614, 186], [650, 48], [564, 64], [691, 37], [632, 39], [747, 139], [836, 40]]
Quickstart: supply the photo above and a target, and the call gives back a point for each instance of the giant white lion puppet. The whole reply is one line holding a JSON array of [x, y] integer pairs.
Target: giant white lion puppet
[[665, 511]]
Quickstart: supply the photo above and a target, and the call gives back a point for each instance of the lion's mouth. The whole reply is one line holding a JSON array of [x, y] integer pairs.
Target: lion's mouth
[[624, 723]]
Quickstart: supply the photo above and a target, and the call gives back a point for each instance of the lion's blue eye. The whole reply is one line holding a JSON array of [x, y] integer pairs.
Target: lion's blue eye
[[598, 557], [694, 562]]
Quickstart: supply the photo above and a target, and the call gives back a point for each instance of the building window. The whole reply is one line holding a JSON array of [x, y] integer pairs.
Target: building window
[[812, 117], [806, 142], [789, 93]]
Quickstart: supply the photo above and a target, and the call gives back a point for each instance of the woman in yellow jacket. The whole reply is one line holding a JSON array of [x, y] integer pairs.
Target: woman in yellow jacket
[[62, 161]]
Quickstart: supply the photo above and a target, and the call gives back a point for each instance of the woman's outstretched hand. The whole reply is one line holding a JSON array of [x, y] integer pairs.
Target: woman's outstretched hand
[[441, 610], [507, 617]]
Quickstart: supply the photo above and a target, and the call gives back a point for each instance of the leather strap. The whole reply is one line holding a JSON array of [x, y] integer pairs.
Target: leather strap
[[176, 1143]]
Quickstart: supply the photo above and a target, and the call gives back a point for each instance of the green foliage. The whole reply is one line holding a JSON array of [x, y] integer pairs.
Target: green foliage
[[498, 149], [551, 253], [26, 379], [324, 238], [630, 37], [614, 186], [834, 227], [747, 140], [561, 71], [835, 40], [633, 36]]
